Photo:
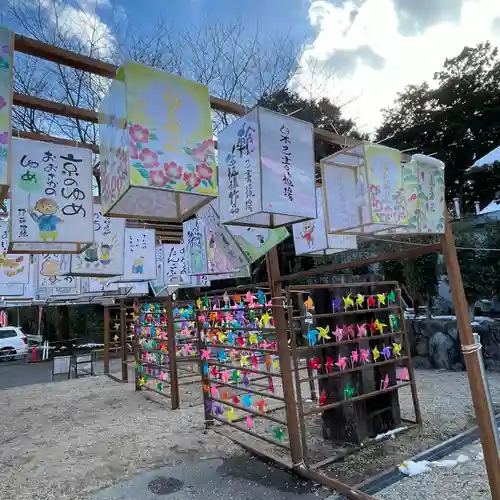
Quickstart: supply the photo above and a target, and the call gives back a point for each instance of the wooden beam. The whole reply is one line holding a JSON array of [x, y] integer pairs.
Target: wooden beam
[[37, 136]]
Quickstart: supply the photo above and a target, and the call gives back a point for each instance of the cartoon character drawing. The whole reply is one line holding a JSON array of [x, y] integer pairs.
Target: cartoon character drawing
[[46, 218], [260, 239], [90, 255], [138, 266], [11, 267], [50, 269], [307, 233], [105, 257]]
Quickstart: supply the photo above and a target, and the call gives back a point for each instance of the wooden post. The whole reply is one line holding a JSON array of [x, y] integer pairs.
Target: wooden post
[[273, 273], [472, 363], [172, 356], [123, 340], [106, 340]]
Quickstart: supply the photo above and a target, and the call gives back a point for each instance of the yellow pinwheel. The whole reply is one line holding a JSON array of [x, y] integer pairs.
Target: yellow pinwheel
[[142, 381], [323, 333], [360, 300], [229, 414], [221, 336], [396, 349], [348, 302], [244, 360], [115, 338], [380, 326], [198, 303], [276, 364], [376, 354], [264, 320], [381, 299], [253, 338]]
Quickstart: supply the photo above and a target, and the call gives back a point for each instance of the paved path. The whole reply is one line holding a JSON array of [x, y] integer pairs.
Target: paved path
[[241, 478]]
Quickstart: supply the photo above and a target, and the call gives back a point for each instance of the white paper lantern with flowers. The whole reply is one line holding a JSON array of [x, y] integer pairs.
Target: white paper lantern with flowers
[[311, 238], [266, 171], [363, 189], [156, 144]]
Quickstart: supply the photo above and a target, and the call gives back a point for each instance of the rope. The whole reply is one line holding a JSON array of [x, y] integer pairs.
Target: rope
[[471, 348]]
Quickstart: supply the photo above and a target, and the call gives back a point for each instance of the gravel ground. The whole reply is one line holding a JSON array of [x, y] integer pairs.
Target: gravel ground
[[63, 440], [66, 439], [467, 480]]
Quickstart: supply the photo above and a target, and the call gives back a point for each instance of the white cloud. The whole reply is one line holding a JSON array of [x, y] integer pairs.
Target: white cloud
[[362, 59]]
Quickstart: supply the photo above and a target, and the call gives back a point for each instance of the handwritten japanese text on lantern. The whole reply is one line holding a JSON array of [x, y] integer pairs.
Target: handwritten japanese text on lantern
[[52, 197]]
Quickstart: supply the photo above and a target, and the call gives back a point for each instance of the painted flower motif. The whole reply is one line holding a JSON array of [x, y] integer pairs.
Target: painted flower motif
[[138, 133], [133, 151], [172, 170], [191, 180], [204, 172], [199, 154], [4, 138], [158, 178], [208, 146], [149, 158]]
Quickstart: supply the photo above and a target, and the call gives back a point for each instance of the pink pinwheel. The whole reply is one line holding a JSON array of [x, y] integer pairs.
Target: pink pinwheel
[[354, 357], [249, 298], [265, 344], [229, 317], [349, 331], [254, 360], [201, 318], [162, 376], [365, 355], [362, 332], [205, 354], [224, 375], [341, 362], [187, 349], [339, 333], [385, 382], [232, 354], [147, 356], [213, 391]]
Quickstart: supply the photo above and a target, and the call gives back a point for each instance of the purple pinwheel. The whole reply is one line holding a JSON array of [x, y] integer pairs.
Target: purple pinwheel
[[208, 405], [386, 352], [336, 304]]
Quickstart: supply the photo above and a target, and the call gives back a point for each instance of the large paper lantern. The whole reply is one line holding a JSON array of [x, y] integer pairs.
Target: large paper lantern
[[105, 257], [13, 268], [175, 268], [156, 144], [140, 255], [51, 198], [311, 238], [424, 190], [6, 90], [363, 189], [266, 170], [50, 277]]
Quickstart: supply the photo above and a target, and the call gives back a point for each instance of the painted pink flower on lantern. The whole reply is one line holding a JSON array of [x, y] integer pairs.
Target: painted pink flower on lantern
[[208, 146], [172, 170], [138, 133], [191, 180], [204, 172], [4, 138], [133, 151], [199, 154], [157, 178], [149, 158]]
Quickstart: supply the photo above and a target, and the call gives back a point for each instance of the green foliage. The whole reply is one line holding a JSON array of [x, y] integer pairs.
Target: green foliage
[[480, 269], [456, 119]]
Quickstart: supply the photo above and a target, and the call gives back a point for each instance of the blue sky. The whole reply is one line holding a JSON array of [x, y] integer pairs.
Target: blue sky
[[358, 53]]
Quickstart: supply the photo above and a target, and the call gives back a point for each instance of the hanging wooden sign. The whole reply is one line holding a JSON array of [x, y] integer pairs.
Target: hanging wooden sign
[[51, 198], [157, 148], [266, 170]]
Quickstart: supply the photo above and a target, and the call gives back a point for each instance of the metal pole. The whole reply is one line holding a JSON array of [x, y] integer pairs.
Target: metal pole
[[472, 363]]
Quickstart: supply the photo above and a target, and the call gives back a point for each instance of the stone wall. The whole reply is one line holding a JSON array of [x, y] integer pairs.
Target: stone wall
[[435, 342]]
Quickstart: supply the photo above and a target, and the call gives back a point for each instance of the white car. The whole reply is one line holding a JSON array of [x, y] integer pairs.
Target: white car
[[13, 343]]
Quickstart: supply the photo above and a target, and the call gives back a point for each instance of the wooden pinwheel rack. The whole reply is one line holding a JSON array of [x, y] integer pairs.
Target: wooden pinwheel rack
[[173, 232], [359, 397]]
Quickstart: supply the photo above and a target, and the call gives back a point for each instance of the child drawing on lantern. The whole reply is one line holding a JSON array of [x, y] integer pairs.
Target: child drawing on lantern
[[105, 257], [11, 267], [46, 218], [138, 266], [307, 233], [50, 269], [90, 255]]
